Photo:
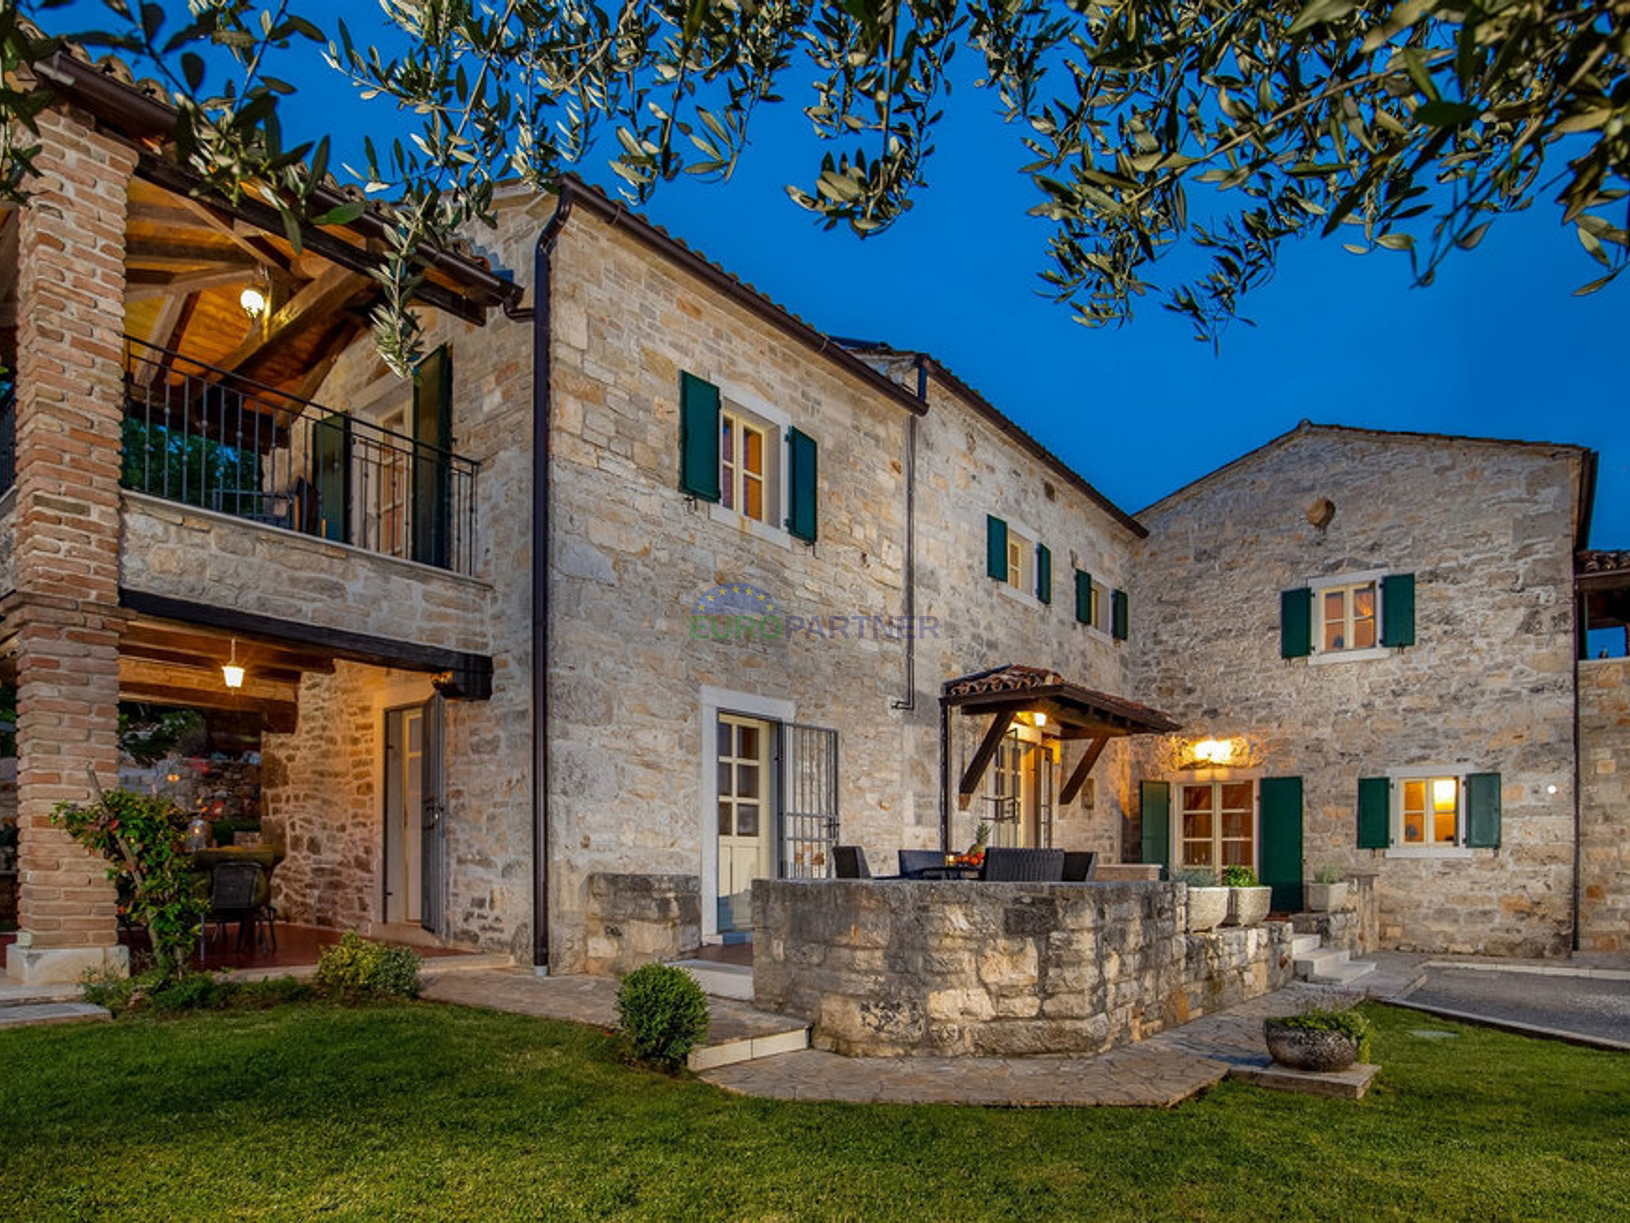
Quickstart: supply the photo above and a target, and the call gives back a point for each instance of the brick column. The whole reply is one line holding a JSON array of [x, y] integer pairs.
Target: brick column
[[70, 320]]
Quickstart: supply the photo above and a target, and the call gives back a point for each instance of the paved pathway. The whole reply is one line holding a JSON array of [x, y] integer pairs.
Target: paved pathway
[[1159, 1072]]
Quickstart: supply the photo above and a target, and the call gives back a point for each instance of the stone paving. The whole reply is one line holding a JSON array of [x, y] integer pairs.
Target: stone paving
[[1159, 1072]]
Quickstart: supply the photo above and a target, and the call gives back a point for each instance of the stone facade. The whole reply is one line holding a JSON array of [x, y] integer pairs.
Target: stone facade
[[1604, 802], [998, 969], [1487, 529], [638, 919]]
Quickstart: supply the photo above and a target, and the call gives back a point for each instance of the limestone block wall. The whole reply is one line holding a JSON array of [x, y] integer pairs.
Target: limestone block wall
[[1487, 530], [884, 969], [188, 553], [640, 919], [1604, 805], [629, 681]]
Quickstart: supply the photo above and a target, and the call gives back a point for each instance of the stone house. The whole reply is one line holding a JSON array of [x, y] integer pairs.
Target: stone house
[[781, 590]]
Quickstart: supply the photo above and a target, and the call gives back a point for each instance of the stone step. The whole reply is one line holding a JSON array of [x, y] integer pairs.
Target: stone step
[[720, 980], [1344, 973], [792, 1039], [34, 995], [36, 1014], [1305, 944], [1320, 963]]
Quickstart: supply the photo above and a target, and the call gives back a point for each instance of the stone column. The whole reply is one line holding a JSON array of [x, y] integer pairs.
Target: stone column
[[70, 322]]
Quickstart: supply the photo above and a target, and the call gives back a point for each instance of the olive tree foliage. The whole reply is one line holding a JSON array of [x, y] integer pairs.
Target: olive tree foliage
[[1148, 126]]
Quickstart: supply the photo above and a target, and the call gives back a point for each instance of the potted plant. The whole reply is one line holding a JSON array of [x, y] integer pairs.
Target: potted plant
[[1328, 891], [1319, 1039], [1248, 900], [1208, 903]]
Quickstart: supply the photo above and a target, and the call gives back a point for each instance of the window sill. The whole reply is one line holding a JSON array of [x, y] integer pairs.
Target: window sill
[[1428, 851], [1029, 600], [1334, 656], [748, 526]]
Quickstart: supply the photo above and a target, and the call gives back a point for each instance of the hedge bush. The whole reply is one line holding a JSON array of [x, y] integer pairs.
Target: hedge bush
[[663, 1013], [357, 967]]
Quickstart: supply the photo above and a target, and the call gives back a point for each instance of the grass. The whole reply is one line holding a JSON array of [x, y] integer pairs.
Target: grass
[[421, 1111]]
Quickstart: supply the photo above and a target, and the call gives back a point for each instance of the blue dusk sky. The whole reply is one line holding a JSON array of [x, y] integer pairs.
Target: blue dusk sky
[[1498, 347]]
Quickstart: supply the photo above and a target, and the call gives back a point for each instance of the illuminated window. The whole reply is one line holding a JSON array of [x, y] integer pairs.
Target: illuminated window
[[1346, 617], [746, 458], [1218, 824], [1429, 811]]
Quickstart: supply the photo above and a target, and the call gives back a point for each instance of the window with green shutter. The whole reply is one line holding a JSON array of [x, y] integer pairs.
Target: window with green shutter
[[1374, 813], [1295, 623], [698, 437], [1118, 615], [1085, 597], [801, 482], [996, 547], [1155, 821], [1044, 573], [1483, 810]]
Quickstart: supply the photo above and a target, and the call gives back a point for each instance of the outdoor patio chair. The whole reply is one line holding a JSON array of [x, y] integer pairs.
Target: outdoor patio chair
[[1080, 867], [240, 892], [850, 862], [913, 862], [1023, 865]]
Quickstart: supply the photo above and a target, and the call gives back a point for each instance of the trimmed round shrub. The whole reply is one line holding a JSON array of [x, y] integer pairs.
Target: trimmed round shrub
[[356, 967], [663, 1013]]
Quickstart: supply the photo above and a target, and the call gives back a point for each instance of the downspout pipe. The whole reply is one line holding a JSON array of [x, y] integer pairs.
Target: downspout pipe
[[542, 403], [909, 702]]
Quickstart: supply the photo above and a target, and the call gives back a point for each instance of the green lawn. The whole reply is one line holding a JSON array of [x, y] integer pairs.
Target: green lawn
[[427, 1111]]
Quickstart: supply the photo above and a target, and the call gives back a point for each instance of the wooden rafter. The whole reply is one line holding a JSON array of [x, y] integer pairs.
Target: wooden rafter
[[1078, 777], [975, 771], [311, 304]]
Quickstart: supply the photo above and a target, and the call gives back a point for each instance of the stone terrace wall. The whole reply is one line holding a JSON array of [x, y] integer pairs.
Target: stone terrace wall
[[1604, 805], [1487, 530], [998, 969], [641, 919]]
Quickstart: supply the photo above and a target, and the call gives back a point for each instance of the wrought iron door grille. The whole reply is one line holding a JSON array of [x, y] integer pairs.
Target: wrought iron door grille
[[809, 801]]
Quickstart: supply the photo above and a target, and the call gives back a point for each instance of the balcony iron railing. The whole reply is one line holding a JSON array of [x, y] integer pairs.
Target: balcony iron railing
[[214, 439]]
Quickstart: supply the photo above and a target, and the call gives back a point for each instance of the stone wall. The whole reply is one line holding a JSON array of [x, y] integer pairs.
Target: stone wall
[[630, 687], [883, 969], [1487, 530], [640, 919], [1604, 805]]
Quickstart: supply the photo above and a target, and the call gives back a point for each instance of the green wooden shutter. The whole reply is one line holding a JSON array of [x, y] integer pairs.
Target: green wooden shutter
[[1483, 810], [698, 437], [996, 547], [1281, 851], [1374, 813], [1398, 609], [1117, 615], [1296, 623], [1083, 597], [432, 478], [1155, 808], [1044, 573], [331, 474], [801, 481]]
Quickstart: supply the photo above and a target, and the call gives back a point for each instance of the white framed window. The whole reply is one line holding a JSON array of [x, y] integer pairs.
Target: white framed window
[[1216, 824], [1347, 617], [748, 465], [1427, 811]]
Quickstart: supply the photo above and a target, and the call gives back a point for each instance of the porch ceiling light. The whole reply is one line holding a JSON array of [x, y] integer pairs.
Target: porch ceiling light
[[253, 297], [231, 672], [1214, 751]]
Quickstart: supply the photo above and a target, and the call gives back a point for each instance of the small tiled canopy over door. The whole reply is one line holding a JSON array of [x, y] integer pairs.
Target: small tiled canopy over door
[[1280, 843]]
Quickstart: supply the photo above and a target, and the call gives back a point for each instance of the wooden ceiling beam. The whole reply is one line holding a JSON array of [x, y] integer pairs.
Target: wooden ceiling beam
[[282, 717], [316, 301], [256, 247], [142, 636], [154, 253]]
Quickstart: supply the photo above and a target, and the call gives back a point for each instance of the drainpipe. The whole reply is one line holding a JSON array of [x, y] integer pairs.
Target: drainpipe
[[910, 701], [542, 381], [1581, 632]]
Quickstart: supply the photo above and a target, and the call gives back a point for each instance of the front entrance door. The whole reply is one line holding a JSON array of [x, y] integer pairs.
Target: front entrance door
[[413, 814], [1022, 784], [746, 845]]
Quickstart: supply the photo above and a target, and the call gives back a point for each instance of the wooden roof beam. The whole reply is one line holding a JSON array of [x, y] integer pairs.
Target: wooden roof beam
[[975, 771], [316, 301]]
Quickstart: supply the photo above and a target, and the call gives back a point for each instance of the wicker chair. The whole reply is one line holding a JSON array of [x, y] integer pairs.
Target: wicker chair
[[1023, 865], [1080, 867], [240, 892], [849, 862], [913, 862]]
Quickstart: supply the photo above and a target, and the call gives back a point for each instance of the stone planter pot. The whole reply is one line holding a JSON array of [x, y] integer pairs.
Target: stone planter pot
[[1325, 897], [1309, 1048], [1247, 906], [1207, 908]]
